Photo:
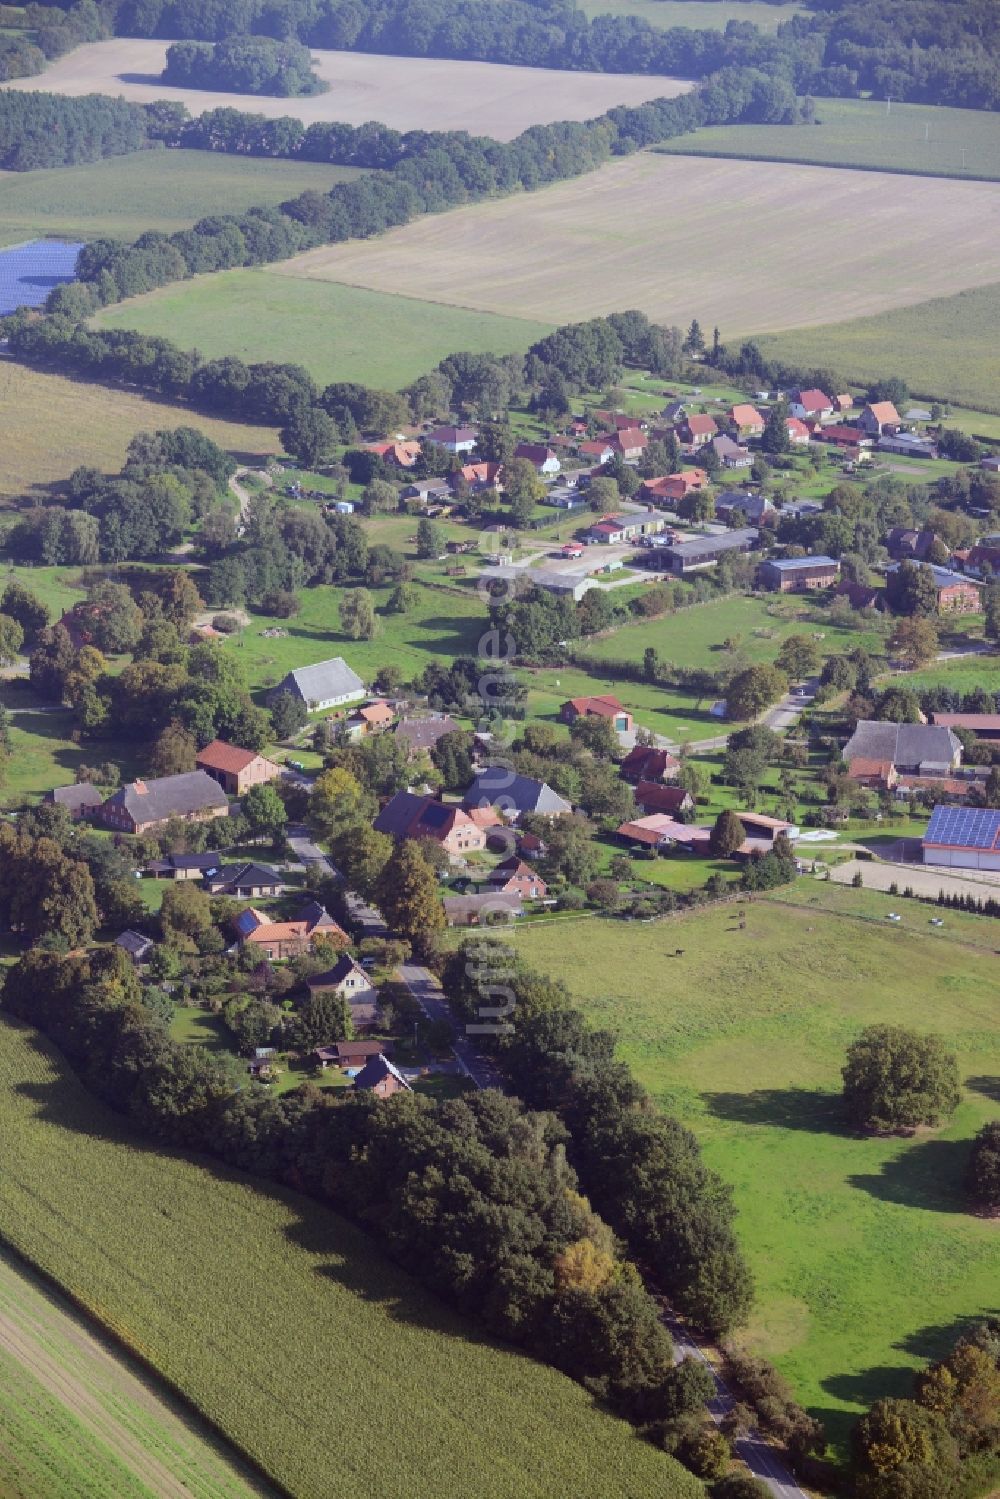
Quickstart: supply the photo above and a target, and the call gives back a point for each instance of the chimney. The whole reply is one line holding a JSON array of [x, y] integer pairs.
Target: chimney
[[140, 788]]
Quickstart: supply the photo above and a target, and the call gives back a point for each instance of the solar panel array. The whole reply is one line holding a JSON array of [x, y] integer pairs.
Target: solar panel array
[[29, 272], [965, 827]]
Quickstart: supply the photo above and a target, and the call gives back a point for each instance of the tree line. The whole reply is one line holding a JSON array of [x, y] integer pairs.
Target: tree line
[[475, 1196]]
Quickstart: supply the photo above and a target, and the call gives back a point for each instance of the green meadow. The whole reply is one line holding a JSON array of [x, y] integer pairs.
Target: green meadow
[[162, 190], [866, 1260], [283, 1324], [338, 332], [926, 139]]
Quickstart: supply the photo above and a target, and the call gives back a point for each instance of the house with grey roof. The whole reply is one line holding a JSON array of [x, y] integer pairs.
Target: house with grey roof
[[496, 786], [753, 507], [80, 801], [326, 684], [192, 796], [916, 748], [419, 734], [683, 557], [136, 946]]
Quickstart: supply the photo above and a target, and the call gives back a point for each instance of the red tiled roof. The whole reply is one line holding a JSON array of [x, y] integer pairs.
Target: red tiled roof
[[700, 424], [226, 757], [814, 400], [602, 707]]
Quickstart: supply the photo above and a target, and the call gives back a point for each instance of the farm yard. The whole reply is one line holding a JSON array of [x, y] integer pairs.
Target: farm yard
[[406, 93], [944, 348], [94, 425], [164, 191], [80, 1418], [192, 1265], [929, 140], [337, 332], [663, 227], [865, 1258]]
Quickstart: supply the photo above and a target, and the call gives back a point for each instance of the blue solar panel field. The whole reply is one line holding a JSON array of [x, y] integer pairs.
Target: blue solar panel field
[[29, 272]]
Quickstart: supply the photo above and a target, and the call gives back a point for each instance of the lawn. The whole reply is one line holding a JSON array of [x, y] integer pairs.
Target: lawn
[[925, 139], [943, 348], [285, 1325], [732, 243], [441, 625], [337, 332], [712, 15], [52, 424], [865, 1259], [677, 715], [162, 190], [78, 1418], [694, 637]]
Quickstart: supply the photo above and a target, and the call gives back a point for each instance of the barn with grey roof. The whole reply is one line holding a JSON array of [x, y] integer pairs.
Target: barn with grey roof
[[326, 684]]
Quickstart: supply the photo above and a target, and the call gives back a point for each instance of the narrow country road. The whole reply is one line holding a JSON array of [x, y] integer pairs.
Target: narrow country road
[[309, 854], [244, 496], [782, 716], [430, 997]]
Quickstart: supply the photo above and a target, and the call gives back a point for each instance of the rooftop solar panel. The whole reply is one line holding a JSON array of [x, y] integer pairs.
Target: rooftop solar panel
[[965, 827], [29, 272]]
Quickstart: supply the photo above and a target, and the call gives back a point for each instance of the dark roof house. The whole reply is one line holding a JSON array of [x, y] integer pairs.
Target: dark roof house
[[906, 746], [145, 804], [79, 800], [496, 786]]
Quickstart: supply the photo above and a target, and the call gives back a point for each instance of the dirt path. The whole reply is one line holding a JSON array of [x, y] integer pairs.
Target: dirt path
[[111, 1400]]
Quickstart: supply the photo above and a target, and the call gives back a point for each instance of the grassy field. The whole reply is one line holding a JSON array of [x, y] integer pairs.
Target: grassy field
[[698, 14], [337, 332], [350, 1379], [694, 637], [441, 625], [408, 93], [162, 190], [944, 348], [918, 138], [79, 1419], [731, 243], [866, 1261], [52, 424]]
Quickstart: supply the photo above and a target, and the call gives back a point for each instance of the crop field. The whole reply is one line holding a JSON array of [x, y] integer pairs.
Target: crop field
[[756, 627], [733, 243], [78, 1418], [441, 625], [283, 1324], [163, 190], [865, 1259], [926, 139], [698, 14], [408, 93], [337, 332], [945, 348], [52, 424]]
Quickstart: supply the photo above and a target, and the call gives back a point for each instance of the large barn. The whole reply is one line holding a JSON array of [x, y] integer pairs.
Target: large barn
[[963, 838]]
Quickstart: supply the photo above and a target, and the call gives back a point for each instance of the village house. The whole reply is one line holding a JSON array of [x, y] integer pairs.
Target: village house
[[373, 718], [326, 684], [184, 866], [541, 457], [670, 488], [481, 476], [513, 794], [878, 417], [617, 420], [597, 450], [983, 557], [277, 940], [192, 796], [695, 430], [494, 906], [136, 946], [963, 838], [395, 454], [860, 595], [810, 405], [843, 402], [597, 707], [350, 981], [747, 421], [407, 815], [420, 735], [921, 749], [647, 763], [427, 491], [729, 453], [348, 1053], [674, 411], [684, 557], [656, 796], [381, 1077], [956, 594], [798, 574], [991, 463], [903, 543], [235, 769], [454, 439], [245, 881], [514, 877], [80, 801], [629, 443], [798, 432], [753, 507]]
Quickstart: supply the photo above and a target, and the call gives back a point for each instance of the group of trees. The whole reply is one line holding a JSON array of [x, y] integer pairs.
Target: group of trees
[[49, 130], [244, 65], [896, 1079]]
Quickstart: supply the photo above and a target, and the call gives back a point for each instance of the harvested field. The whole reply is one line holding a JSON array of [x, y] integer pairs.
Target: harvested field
[[744, 245], [51, 425], [408, 93]]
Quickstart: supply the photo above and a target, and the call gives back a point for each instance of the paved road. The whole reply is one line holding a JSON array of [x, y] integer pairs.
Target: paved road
[[316, 862], [762, 1460], [430, 997], [782, 716]]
